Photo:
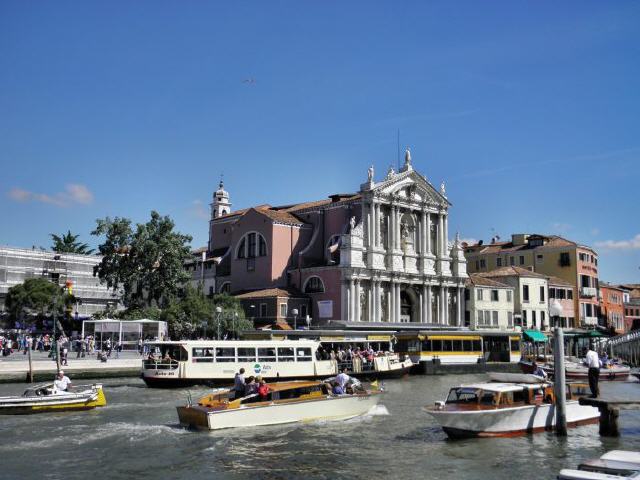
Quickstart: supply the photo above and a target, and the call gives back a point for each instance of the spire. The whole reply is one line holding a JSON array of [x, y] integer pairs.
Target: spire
[[407, 167], [221, 204]]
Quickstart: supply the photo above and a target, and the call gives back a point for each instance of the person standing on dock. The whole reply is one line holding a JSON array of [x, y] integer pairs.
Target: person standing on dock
[[593, 363]]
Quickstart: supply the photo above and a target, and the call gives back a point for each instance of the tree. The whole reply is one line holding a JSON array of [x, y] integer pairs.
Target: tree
[[68, 243], [186, 316], [35, 297], [147, 264], [232, 319]]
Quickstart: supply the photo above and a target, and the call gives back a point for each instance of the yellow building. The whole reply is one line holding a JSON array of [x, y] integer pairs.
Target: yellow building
[[549, 255]]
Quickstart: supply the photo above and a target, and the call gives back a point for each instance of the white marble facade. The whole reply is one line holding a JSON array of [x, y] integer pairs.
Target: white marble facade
[[398, 265]]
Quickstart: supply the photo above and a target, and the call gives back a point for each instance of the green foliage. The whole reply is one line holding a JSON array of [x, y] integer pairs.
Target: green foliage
[[148, 263], [36, 296], [186, 316], [68, 243], [232, 318]]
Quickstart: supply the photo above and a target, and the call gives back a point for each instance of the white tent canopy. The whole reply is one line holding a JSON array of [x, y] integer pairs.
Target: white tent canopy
[[127, 332]]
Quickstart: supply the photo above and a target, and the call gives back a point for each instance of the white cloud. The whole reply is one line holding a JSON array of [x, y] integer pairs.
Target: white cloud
[[74, 194], [595, 232], [633, 244], [198, 210]]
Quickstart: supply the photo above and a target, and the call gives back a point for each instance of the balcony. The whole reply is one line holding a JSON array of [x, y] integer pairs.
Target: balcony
[[588, 291], [590, 320]]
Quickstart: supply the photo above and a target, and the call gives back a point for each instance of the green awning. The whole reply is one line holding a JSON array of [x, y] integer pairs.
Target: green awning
[[535, 336]]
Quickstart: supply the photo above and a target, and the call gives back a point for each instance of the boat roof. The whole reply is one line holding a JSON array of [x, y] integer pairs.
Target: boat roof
[[232, 343], [500, 387]]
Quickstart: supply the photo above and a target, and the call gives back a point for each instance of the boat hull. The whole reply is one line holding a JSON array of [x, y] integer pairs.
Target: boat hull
[[509, 422], [53, 403], [325, 408]]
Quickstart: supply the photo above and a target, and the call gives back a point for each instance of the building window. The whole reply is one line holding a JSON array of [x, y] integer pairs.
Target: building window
[[542, 319], [251, 245], [480, 317], [498, 262], [521, 259], [479, 294], [552, 292], [542, 294], [262, 247], [495, 318], [314, 285], [483, 263], [263, 310], [525, 293], [477, 265], [225, 288], [565, 259], [509, 296], [242, 248], [533, 318], [466, 294], [211, 292], [524, 318], [494, 295], [283, 310], [512, 261], [510, 319], [303, 311]]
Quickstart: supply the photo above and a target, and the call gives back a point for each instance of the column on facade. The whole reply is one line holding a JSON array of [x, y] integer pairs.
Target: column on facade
[[357, 312], [398, 310], [446, 235], [440, 246], [398, 219], [350, 301], [370, 302], [375, 214], [459, 306], [441, 305], [445, 307], [421, 306], [424, 318], [424, 235], [391, 294], [378, 302]]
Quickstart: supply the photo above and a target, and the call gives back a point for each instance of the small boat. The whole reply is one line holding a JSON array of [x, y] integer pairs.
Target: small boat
[[578, 371], [44, 398], [287, 402], [511, 406], [615, 464]]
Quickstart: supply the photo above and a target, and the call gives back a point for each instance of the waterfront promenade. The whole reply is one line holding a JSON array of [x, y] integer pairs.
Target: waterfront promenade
[[15, 367]]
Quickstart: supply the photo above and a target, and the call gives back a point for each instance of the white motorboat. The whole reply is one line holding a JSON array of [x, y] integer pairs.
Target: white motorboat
[[44, 398], [578, 371], [510, 407], [287, 402], [615, 464]]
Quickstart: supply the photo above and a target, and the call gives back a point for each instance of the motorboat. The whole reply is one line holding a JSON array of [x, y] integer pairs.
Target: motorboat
[[574, 370], [215, 362], [45, 398], [510, 405], [615, 464], [287, 402]]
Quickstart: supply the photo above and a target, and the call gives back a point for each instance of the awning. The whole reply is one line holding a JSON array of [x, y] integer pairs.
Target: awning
[[535, 336]]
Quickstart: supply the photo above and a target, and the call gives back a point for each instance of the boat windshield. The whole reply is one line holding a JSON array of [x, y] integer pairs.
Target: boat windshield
[[463, 395]]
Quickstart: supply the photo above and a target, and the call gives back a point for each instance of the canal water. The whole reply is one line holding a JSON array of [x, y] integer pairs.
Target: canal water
[[137, 436]]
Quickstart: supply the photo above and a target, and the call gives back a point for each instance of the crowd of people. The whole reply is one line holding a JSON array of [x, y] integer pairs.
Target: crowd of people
[[345, 355]]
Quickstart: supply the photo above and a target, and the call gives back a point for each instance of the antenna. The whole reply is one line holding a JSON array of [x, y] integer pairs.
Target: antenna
[[398, 159]]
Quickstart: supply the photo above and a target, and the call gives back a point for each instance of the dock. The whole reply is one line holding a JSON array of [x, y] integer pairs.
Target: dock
[[610, 411]]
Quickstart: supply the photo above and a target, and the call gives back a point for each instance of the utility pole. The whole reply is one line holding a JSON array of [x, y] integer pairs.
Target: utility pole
[[560, 383]]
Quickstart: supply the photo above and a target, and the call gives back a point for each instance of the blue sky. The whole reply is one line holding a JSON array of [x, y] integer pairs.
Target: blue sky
[[528, 110]]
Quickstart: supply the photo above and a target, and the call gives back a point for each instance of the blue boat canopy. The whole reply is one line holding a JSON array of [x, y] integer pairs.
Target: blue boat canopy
[[535, 336]]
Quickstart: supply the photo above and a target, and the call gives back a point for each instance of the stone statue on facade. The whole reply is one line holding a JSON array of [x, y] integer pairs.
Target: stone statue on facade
[[391, 172], [407, 161], [443, 189], [370, 174], [352, 223]]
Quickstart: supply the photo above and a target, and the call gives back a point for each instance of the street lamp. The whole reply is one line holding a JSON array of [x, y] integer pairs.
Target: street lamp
[[308, 322], [555, 312], [294, 312], [219, 312]]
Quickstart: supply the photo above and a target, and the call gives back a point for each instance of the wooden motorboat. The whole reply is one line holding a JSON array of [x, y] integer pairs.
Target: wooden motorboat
[[578, 371], [614, 464], [44, 398], [509, 407], [287, 402]]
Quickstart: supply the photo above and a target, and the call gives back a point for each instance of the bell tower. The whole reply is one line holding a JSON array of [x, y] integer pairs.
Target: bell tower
[[220, 205]]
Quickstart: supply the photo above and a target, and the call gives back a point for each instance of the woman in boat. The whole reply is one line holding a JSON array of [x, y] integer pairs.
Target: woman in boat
[[251, 387], [263, 390]]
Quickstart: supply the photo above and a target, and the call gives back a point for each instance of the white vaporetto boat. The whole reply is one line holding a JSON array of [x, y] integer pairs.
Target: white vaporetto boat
[[503, 408], [287, 402], [44, 398], [215, 362]]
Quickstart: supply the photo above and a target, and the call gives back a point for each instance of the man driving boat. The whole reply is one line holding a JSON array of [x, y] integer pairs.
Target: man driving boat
[[62, 383]]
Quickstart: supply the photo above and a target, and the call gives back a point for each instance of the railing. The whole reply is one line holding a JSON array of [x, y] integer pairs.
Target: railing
[[588, 291], [160, 365], [590, 320], [626, 347]]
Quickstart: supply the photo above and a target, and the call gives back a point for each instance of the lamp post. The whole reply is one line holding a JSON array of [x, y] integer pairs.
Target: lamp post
[[294, 312], [555, 311], [308, 322], [219, 314]]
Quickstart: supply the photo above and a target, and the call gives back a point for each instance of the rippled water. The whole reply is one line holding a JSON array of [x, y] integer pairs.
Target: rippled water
[[137, 436]]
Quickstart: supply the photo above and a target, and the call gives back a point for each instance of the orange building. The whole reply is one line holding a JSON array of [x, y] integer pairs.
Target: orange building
[[611, 310]]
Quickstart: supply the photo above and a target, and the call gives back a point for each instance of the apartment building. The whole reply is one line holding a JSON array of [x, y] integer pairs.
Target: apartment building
[[550, 255], [611, 308], [488, 304]]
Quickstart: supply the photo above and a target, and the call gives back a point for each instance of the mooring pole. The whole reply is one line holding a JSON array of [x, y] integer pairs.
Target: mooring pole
[[30, 374], [560, 383]]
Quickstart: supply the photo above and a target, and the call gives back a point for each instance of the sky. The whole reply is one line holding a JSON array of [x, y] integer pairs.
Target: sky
[[527, 110]]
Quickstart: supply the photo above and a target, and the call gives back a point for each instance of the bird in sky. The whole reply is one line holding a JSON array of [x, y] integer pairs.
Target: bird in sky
[[249, 81]]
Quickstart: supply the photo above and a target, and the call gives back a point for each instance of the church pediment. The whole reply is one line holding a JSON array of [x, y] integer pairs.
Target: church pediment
[[410, 186]]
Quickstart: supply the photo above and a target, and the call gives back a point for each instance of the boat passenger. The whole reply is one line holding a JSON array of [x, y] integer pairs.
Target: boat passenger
[[62, 383], [343, 379], [239, 384], [250, 387], [263, 389], [336, 389], [538, 371]]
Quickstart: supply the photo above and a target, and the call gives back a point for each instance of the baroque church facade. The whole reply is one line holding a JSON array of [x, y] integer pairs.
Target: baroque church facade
[[380, 255]]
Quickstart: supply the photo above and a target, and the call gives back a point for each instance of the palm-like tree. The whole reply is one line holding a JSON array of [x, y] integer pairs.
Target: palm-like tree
[[68, 243]]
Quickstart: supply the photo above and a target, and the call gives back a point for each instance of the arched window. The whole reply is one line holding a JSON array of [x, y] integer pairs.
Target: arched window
[[314, 285], [225, 288], [252, 245]]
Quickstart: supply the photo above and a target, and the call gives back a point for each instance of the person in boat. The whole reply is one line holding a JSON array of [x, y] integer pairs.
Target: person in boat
[[538, 371], [336, 389], [238, 384], [592, 361], [251, 386], [62, 383], [263, 389], [343, 379]]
